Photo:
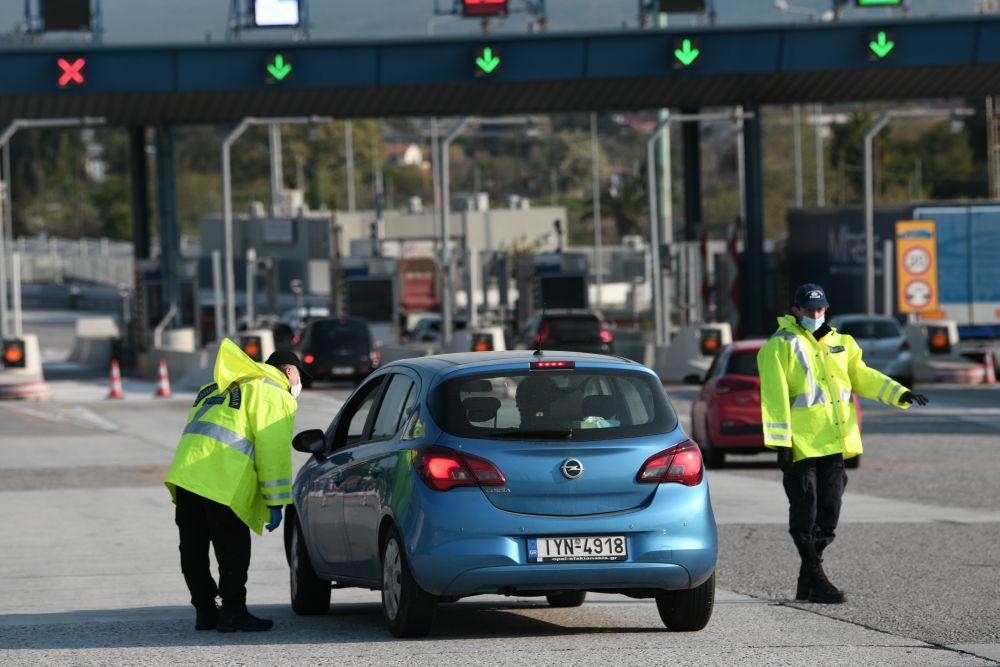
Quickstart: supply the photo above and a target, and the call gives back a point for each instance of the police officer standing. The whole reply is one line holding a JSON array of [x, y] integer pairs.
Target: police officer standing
[[232, 472], [808, 372]]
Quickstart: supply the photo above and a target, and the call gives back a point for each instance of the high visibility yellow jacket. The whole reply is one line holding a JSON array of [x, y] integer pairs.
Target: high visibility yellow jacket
[[805, 391], [236, 446]]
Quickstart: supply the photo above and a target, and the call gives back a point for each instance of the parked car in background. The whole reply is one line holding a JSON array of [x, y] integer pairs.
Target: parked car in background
[[338, 348], [455, 475], [571, 330], [882, 341], [726, 416]]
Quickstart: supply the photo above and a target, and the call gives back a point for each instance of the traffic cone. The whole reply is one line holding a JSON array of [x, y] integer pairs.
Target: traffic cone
[[116, 381], [163, 385], [990, 376]]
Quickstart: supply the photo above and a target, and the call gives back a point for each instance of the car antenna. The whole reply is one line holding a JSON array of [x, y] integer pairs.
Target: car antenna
[[538, 337]]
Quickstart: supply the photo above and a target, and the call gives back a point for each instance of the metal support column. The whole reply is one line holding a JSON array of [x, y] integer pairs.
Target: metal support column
[[139, 187], [691, 135], [752, 278], [170, 236]]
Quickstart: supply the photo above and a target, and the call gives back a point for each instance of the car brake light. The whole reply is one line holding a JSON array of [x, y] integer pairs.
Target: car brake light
[[550, 365], [728, 384], [606, 336], [309, 358], [544, 334], [681, 463], [376, 358], [442, 469]]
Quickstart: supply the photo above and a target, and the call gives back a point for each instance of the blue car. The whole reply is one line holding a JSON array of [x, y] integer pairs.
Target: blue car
[[514, 473]]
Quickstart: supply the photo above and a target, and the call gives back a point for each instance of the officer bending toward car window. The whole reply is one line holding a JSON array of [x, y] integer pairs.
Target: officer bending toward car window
[[808, 372], [232, 472]]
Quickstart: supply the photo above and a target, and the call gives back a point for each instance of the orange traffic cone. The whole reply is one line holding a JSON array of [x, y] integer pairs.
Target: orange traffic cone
[[990, 375], [163, 385], [116, 381]]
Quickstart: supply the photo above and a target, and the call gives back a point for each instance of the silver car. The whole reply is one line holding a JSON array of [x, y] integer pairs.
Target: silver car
[[883, 342]]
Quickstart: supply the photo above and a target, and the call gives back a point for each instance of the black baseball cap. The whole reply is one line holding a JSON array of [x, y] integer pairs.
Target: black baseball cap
[[812, 296], [287, 358]]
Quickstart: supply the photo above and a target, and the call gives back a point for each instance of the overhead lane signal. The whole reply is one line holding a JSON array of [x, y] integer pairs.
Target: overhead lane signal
[[484, 7], [687, 52], [278, 68], [881, 45], [70, 71], [487, 61]]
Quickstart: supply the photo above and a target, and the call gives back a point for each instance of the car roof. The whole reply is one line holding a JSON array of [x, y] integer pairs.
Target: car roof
[[459, 360], [749, 345]]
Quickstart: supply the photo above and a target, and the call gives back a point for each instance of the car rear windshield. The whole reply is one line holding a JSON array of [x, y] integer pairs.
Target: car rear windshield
[[574, 329], [572, 405], [339, 333], [871, 329], [743, 363]]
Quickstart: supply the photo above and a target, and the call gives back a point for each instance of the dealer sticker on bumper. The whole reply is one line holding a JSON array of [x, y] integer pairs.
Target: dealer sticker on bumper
[[577, 549]]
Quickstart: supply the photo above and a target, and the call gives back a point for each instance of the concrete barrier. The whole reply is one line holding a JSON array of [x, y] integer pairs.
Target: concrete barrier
[[934, 347], [27, 382], [93, 342]]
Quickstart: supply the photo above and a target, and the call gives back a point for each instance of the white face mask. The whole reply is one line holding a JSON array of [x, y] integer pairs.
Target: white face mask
[[296, 389]]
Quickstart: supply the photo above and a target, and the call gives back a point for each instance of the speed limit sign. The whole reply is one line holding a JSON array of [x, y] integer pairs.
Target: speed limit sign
[[916, 265], [917, 260]]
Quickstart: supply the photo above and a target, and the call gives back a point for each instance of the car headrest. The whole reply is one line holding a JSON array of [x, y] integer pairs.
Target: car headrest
[[477, 386], [481, 408], [599, 405]]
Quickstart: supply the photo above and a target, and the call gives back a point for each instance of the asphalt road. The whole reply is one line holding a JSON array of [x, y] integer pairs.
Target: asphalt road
[[89, 571]]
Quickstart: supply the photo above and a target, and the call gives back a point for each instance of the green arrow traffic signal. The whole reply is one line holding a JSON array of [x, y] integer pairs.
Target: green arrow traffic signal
[[880, 45], [487, 61], [278, 68], [686, 52]]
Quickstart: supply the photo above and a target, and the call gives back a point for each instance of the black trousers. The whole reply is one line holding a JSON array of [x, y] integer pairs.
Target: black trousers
[[815, 488], [201, 521]]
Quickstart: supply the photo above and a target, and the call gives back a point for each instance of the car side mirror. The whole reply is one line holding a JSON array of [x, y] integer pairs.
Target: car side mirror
[[694, 378], [310, 442]]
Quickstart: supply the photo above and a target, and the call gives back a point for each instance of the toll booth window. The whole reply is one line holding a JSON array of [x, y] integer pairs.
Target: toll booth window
[[743, 363]]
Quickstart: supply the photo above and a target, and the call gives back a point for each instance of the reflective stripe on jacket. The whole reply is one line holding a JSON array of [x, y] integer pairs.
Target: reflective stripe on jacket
[[236, 446], [806, 387]]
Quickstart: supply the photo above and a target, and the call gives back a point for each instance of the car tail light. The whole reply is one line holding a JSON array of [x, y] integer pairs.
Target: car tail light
[[543, 335], [309, 358], [376, 358], [681, 463], [442, 469], [728, 384], [606, 336], [296, 339], [905, 346]]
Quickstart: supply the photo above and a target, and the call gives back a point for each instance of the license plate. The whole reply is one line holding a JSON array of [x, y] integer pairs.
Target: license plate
[[577, 549], [342, 370]]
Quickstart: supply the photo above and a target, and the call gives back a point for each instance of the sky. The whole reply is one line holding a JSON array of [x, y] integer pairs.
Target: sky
[[146, 21]]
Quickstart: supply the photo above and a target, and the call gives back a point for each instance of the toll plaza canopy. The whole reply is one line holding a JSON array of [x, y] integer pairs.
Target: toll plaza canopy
[[203, 83]]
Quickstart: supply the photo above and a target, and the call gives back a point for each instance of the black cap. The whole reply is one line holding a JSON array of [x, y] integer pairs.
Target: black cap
[[812, 296], [287, 358]]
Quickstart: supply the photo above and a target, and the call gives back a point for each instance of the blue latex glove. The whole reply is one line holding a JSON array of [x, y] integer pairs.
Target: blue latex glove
[[275, 519]]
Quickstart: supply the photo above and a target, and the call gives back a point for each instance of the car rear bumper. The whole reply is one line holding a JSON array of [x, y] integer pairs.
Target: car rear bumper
[[475, 548]]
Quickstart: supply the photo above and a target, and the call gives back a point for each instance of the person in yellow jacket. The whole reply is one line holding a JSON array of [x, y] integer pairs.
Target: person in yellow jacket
[[808, 373], [231, 474]]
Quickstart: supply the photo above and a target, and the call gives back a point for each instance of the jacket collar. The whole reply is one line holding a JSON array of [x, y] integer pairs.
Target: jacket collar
[[791, 323]]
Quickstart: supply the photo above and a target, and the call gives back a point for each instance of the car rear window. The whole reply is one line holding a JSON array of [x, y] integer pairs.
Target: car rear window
[[743, 363], [339, 333], [574, 329], [871, 329], [573, 405]]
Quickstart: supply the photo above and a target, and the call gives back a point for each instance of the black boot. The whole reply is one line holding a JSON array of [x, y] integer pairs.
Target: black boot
[[242, 621], [207, 618], [821, 590], [804, 585]]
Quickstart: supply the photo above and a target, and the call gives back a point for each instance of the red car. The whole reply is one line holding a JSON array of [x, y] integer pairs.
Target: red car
[[725, 416]]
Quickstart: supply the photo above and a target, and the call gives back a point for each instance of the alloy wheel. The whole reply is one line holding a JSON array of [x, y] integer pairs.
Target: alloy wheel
[[391, 578]]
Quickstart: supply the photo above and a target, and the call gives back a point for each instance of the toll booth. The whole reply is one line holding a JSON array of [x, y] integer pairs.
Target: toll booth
[[151, 307], [551, 281]]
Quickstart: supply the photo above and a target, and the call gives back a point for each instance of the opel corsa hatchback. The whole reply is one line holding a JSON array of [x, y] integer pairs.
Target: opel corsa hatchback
[[507, 473]]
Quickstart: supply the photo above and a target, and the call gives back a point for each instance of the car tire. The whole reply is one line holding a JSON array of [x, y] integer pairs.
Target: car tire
[[687, 611], [853, 462], [713, 456], [408, 610], [310, 594], [567, 599]]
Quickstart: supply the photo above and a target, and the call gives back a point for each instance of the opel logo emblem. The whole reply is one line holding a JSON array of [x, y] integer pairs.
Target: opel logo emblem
[[571, 468]]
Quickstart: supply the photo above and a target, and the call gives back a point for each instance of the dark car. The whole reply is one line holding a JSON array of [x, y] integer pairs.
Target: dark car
[[338, 348], [567, 330]]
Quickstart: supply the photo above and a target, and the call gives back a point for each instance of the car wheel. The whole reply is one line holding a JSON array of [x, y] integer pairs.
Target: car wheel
[[408, 610], [567, 599], [853, 462], [310, 594], [687, 611], [713, 456]]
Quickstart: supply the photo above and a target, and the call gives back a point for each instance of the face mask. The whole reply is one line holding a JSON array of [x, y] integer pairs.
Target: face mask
[[809, 324], [296, 389]]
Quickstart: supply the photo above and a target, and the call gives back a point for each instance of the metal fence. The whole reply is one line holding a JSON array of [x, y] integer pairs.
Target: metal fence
[[58, 260]]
